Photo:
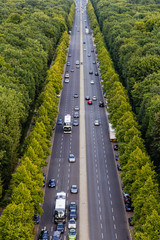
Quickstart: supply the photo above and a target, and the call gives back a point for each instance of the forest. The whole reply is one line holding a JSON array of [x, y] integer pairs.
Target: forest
[[131, 31], [29, 33]]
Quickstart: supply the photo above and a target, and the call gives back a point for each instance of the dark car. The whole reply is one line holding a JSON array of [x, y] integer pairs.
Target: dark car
[[119, 167], [84, 42], [96, 74], [57, 235], [87, 97], [75, 123], [101, 104], [90, 72], [59, 122], [115, 147], [44, 235], [36, 219], [89, 55], [72, 206], [76, 115], [73, 214], [76, 95], [92, 50], [60, 227], [127, 199], [44, 180], [117, 157], [130, 221], [94, 62], [128, 207], [76, 108], [52, 183], [89, 102], [68, 64], [69, 55]]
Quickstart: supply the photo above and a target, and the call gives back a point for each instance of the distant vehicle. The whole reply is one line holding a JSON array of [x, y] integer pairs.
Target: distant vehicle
[[77, 63], [75, 123], [60, 208], [115, 147], [76, 108], [67, 127], [84, 42], [59, 122], [36, 219], [67, 75], [68, 64], [69, 55], [130, 221], [92, 50], [128, 207], [44, 180], [72, 223], [76, 115], [116, 157], [112, 133], [72, 205], [96, 123], [101, 104], [89, 55], [94, 62], [60, 227], [72, 70], [90, 72], [87, 97], [44, 235], [119, 167], [76, 95], [96, 74], [87, 31], [89, 102], [74, 189], [52, 183], [94, 98], [57, 235], [71, 158], [73, 214], [72, 234], [66, 80], [91, 82]]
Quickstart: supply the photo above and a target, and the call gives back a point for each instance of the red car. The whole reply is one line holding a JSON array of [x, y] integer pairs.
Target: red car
[[90, 102]]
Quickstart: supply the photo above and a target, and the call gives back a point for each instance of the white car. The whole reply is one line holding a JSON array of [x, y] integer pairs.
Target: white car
[[94, 98], [66, 80], [67, 75], [74, 189], [96, 123], [72, 223], [71, 158], [91, 82]]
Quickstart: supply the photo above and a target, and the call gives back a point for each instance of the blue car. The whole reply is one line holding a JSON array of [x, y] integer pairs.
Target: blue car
[[36, 219], [73, 214], [59, 122], [60, 227], [52, 183]]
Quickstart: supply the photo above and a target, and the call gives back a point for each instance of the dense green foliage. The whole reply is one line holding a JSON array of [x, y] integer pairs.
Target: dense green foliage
[[131, 31], [29, 33], [138, 175], [16, 221]]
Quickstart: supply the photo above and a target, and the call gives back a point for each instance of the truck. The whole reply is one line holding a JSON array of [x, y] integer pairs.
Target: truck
[[87, 30], [60, 208], [67, 127], [112, 133]]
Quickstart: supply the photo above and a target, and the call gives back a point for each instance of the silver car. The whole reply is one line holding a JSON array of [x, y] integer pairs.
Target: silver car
[[71, 158]]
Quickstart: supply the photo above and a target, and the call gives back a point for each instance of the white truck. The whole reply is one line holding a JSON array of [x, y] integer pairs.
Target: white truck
[[112, 133], [87, 30], [60, 208]]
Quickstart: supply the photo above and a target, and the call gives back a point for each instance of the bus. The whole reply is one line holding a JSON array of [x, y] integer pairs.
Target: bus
[[67, 124], [60, 208]]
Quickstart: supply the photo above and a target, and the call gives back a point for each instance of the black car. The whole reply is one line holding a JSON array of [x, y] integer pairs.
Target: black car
[[90, 72], [115, 147], [119, 167], [96, 74], [101, 104], [44, 235], [87, 97], [52, 183], [128, 207], [36, 219], [76, 115], [60, 227], [130, 221]]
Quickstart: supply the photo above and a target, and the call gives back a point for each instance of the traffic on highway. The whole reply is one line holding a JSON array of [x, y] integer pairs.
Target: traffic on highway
[[83, 197]]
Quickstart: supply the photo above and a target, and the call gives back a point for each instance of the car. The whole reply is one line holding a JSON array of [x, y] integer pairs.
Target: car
[[127, 199], [75, 95], [67, 75], [89, 102], [130, 221], [60, 227], [69, 55], [73, 214], [94, 98], [119, 167], [59, 122], [94, 62], [101, 104], [36, 219], [90, 72], [54, 127], [68, 64], [117, 157], [74, 189], [76, 115], [84, 49], [72, 234], [44, 235], [71, 158], [72, 70], [96, 123], [76, 108], [91, 82], [66, 80], [87, 97], [96, 74], [115, 147], [89, 55], [44, 180], [57, 235], [84, 42], [128, 207], [75, 123], [72, 223], [72, 206], [52, 183], [92, 50]]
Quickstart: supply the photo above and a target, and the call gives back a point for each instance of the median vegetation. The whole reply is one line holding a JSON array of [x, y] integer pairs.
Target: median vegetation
[[138, 176]]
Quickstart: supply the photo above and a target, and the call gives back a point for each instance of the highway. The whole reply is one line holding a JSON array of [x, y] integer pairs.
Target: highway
[[106, 213]]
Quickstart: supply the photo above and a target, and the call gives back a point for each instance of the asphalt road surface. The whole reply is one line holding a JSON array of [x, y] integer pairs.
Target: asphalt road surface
[[106, 213]]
